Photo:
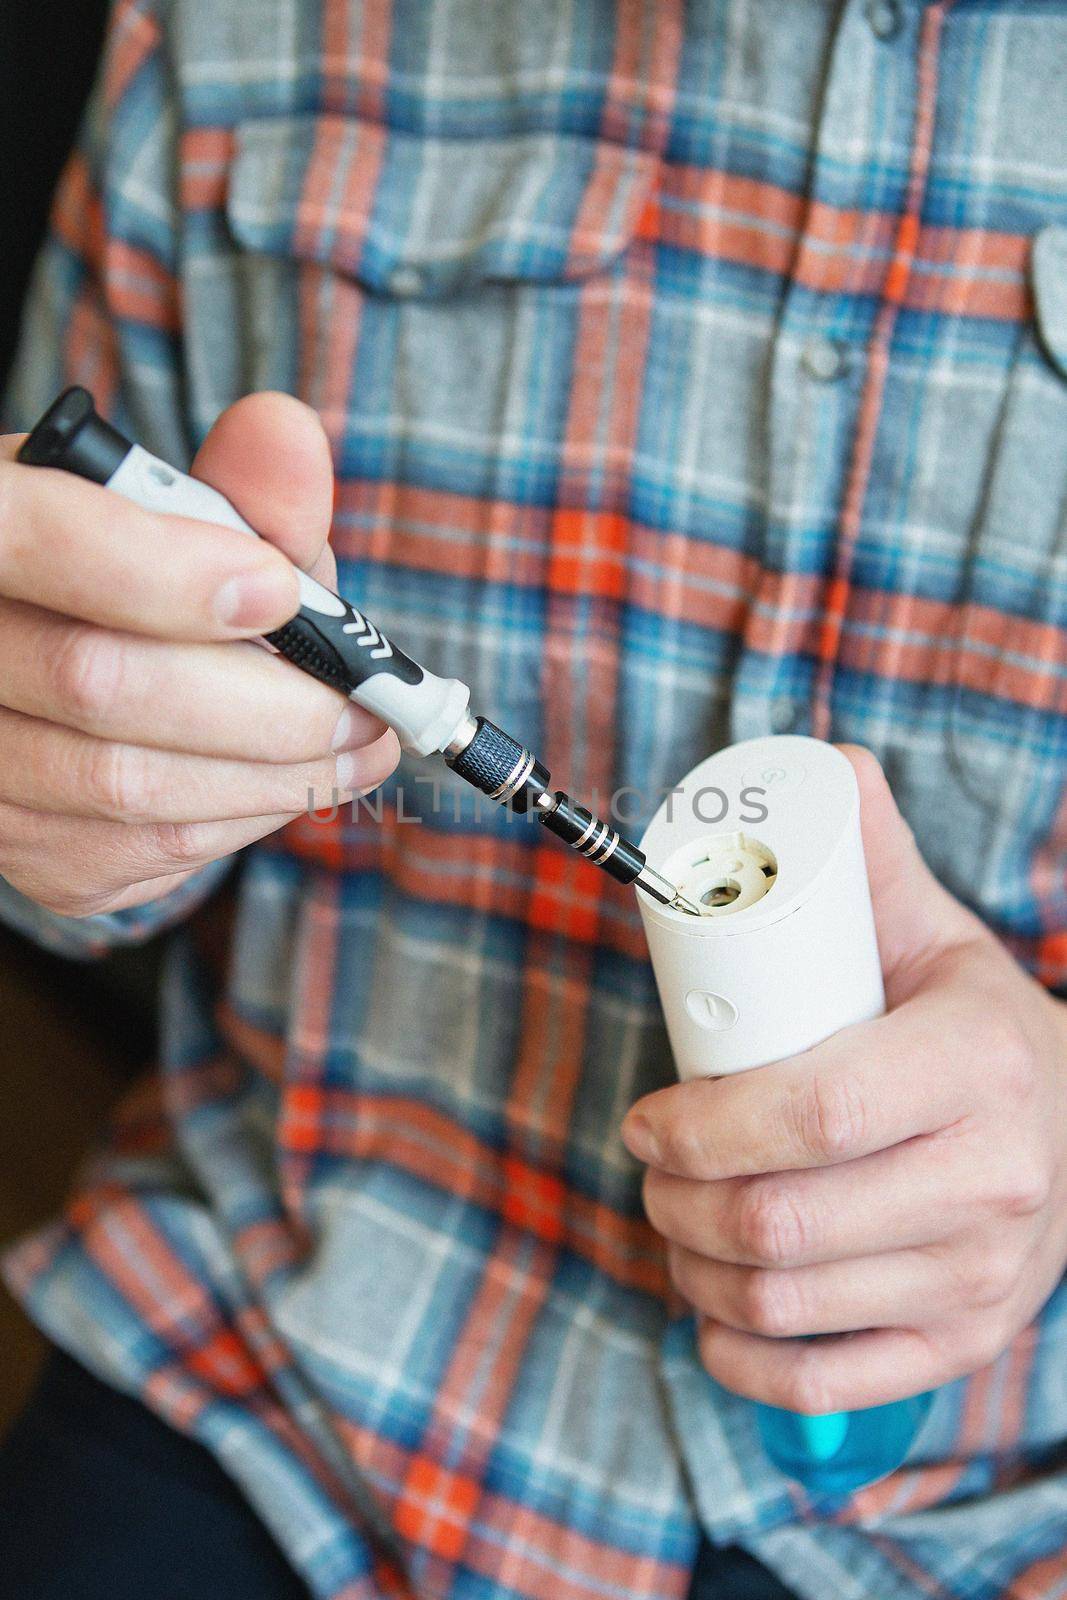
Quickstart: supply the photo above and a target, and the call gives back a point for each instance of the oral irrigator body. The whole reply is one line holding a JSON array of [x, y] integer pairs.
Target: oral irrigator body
[[765, 837]]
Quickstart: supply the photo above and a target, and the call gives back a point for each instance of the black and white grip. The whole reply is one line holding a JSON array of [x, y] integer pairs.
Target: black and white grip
[[333, 641], [328, 638]]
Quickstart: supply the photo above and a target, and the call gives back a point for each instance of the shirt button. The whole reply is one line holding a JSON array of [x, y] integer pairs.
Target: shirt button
[[405, 281], [885, 18], [824, 360], [785, 714]]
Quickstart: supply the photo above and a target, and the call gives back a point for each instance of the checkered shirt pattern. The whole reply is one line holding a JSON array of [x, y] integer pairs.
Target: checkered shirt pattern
[[692, 372]]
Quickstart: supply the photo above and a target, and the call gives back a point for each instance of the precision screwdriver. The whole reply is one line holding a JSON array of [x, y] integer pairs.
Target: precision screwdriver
[[337, 644]]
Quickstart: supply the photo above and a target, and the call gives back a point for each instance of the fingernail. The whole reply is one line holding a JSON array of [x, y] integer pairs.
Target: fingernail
[[264, 598], [347, 766], [640, 1140], [343, 731]]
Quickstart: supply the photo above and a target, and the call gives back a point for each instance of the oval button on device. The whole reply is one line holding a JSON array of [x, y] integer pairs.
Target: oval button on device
[[712, 1011], [773, 778]]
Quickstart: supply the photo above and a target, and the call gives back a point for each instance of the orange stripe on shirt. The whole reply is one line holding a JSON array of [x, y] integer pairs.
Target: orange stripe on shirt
[[133, 36]]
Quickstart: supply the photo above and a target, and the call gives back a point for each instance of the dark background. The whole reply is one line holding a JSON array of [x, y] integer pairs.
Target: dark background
[[71, 1034], [48, 54]]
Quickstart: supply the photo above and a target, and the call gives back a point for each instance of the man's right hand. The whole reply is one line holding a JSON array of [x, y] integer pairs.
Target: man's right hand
[[138, 742]]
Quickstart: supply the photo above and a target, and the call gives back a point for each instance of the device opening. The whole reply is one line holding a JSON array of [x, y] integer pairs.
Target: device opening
[[721, 894], [726, 873]]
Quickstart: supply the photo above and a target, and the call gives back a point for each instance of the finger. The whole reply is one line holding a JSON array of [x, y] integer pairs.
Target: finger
[[917, 1194], [83, 867], [269, 455], [141, 894], [866, 1088], [207, 699], [57, 769], [325, 568], [901, 1289], [915, 916], [73, 546], [843, 1373]]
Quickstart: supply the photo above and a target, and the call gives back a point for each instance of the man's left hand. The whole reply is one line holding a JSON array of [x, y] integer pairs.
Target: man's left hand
[[903, 1183]]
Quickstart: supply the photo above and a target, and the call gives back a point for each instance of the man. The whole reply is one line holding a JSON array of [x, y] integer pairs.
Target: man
[[687, 376]]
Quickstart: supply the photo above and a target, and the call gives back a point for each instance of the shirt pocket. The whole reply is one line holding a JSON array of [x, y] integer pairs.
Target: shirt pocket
[[329, 222], [415, 216], [1008, 711], [305, 231]]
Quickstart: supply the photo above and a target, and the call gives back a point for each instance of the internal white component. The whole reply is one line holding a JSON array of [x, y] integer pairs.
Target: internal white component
[[730, 872]]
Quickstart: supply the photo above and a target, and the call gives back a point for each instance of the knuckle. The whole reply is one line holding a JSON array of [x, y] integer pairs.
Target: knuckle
[[772, 1230], [115, 781], [992, 1278], [985, 1343], [683, 1149], [1015, 1060], [772, 1303], [830, 1116], [804, 1384], [87, 673], [1028, 1189], [180, 844]]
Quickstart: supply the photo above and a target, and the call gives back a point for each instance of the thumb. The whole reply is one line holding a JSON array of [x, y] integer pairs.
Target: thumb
[[915, 916], [269, 455]]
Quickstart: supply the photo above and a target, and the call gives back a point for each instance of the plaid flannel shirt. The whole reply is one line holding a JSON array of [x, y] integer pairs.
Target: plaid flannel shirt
[[692, 373]]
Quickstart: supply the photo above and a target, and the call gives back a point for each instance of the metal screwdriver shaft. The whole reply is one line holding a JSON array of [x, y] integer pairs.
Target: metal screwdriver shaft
[[507, 772]]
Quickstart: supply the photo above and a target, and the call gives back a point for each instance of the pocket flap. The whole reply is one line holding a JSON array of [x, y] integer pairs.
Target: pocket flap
[[418, 215], [1048, 276]]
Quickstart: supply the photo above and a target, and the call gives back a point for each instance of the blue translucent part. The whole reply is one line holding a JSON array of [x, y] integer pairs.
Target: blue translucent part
[[823, 1436], [843, 1450]]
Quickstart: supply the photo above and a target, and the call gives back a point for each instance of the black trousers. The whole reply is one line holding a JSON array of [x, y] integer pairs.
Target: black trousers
[[99, 1500]]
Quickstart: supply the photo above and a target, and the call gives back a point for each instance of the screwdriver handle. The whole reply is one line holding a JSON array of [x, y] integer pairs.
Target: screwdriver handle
[[328, 638]]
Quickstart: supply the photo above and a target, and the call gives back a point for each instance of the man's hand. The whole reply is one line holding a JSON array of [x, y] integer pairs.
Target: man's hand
[[905, 1182], [136, 746]]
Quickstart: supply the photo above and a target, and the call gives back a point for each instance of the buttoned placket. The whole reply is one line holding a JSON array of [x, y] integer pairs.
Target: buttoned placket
[[820, 352]]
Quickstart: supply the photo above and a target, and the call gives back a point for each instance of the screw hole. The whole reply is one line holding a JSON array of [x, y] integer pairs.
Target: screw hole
[[723, 893]]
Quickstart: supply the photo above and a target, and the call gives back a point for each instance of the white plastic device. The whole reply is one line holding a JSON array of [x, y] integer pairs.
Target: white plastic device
[[765, 836]]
